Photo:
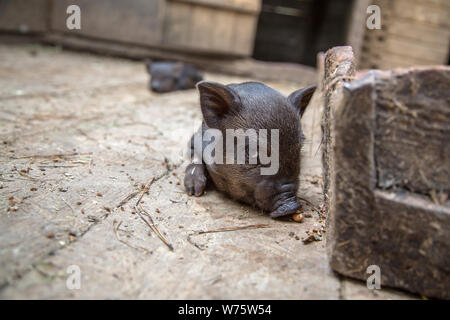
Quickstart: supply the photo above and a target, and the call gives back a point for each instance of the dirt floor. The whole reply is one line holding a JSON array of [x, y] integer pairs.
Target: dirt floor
[[80, 135]]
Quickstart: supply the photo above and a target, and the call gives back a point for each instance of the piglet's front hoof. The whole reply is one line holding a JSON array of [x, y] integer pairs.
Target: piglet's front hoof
[[195, 180]]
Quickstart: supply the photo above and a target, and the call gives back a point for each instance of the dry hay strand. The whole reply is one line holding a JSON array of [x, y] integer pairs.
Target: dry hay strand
[[140, 211], [116, 232], [235, 228]]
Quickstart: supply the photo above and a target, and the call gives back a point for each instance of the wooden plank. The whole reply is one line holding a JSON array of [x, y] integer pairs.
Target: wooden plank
[[413, 49], [247, 6], [385, 50], [201, 28], [208, 29], [414, 30], [222, 33], [422, 12], [24, 16], [134, 21], [443, 3], [243, 41], [176, 24], [409, 241], [388, 61], [413, 33], [403, 28]]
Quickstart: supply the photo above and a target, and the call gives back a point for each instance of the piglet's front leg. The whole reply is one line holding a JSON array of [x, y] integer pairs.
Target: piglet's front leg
[[195, 179], [196, 175]]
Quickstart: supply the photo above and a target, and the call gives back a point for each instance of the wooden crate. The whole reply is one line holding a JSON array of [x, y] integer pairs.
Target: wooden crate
[[387, 174], [412, 33]]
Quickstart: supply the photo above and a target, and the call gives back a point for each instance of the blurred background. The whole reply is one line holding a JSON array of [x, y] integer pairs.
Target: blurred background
[[214, 32], [81, 135]]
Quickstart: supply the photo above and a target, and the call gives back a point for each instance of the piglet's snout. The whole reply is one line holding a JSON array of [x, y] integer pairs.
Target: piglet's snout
[[278, 199], [286, 207], [155, 85]]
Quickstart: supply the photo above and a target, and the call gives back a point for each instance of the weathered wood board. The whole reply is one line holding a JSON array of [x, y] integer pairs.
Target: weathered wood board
[[412, 33], [134, 21], [250, 6], [412, 137], [389, 183], [211, 26], [201, 26], [24, 16]]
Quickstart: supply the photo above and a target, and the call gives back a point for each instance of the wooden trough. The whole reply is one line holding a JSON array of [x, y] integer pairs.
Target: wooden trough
[[386, 169]]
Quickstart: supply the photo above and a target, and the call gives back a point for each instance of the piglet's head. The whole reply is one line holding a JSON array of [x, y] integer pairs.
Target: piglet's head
[[253, 105], [172, 76], [164, 75]]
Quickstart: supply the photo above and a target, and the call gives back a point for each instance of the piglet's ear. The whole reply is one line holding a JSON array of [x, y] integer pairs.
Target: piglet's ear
[[301, 98], [217, 101]]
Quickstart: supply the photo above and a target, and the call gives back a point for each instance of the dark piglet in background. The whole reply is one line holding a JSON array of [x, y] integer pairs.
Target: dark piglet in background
[[244, 106], [172, 76]]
